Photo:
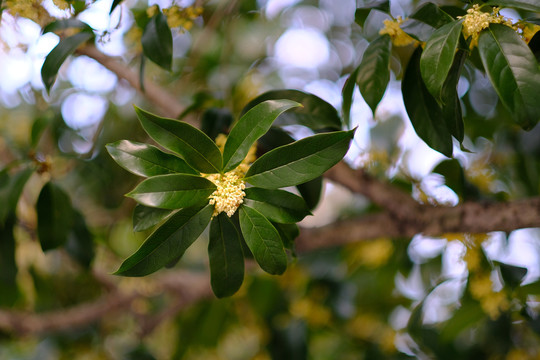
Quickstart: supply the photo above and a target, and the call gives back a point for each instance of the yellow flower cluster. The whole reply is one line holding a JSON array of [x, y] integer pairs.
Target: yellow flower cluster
[[398, 36], [481, 288], [528, 31], [178, 16], [30, 9], [61, 4], [475, 21], [371, 254], [229, 194], [369, 327]]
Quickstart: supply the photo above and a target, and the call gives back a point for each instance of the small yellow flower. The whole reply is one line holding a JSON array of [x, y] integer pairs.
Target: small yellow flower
[[61, 4], [475, 21], [398, 36], [152, 11], [229, 194], [529, 30]]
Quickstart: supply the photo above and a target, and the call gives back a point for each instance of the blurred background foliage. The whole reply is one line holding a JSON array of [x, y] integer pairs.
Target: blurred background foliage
[[460, 296]]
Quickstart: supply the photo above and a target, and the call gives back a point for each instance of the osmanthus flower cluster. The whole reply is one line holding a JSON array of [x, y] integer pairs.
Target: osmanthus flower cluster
[[197, 184]]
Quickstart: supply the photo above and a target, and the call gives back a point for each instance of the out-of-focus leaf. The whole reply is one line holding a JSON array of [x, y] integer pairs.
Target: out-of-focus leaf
[[316, 113], [530, 5], [277, 205], [300, 161], [347, 95], [38, 126], [432, 15], [194, 146], [173, 191], [374, 71], [55, 216], [250, 127], [80, 244], [362, 13], [11, 187], [59, 54], [146, 160], [168, 242], [512, 275], [438, 57], [216, 121], [263, 240], [63, 24], [467, 315], [157, 41], [454, 177], [513, 71], [423, 110], [311, 191], [288, 233], [226, 257], [114, 5], [8, 266], [145, 217]]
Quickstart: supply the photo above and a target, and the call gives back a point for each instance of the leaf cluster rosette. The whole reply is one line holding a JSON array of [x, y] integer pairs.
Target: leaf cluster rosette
[[196, 184]]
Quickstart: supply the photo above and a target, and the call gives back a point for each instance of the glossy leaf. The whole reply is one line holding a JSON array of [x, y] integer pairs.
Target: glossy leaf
[[347, 95], [277, 205], [432, 15], [438, 56], [362, 13], [64, 24], [512, 275], [80, 242], [145, 217], [8, 265], [226, 257], [146, 160], [316, 113], [530, 5], [288, 233], [263, 240], [374, 71], [300, 161], [11, 187], [423, 110], [173, 191], [157, 41], [249, 128], [513, 72], [451, 104], [197, 149], [168, 242], [214, 121], [311, 191], [55, 216], [59, 54]]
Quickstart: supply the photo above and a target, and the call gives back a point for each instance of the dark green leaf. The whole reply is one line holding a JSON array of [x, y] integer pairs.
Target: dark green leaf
[[374, 71], [311, 191], [423, 110], [438, 56], [300, 161], [277, 205], [513, 72], [38, 126], [467, 315], [451, 107], [11, 187], [316, 113], [168, 242], [141, 73], [512, 275], [226, 257], [263, 240], [249, 128], [197, 149], [215, 121], [114, 5], [145, 217], [55, 216], [80, 242], [63, 24], [347, 94], [454, 176], [8, 265], [146, 160], [157, 41], [432, 15], [362, 13], [173, 191], [288, 233], [530, 5], [531, 288], [534, 45], [59, 54]]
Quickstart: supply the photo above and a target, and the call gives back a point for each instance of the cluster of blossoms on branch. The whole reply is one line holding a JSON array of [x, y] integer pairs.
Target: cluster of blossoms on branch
[[393, 29], [178, 16], [476, 20]]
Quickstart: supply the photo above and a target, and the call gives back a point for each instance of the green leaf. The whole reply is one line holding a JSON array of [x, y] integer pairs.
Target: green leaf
[[173, 191], [300, 161], [288, 233], [80, 244], [8, 265], [63, 24], [59, 54], [249, 128], [347, 95], [11, 187], [214, 121], [277, 205], [432, 15], [168, 242], [311, 191], [114, 5], [530, 5], [374, 73], [438, 56], [463, 318], [454, 176], [145, 217], [513, 72], [315, 114], [157, 41], [226, 257], [38, 126], [451, 107], [146, 160], [512, 275], [423, 110], [55, 216], [263, 240], [197, 149], [362, 13]]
